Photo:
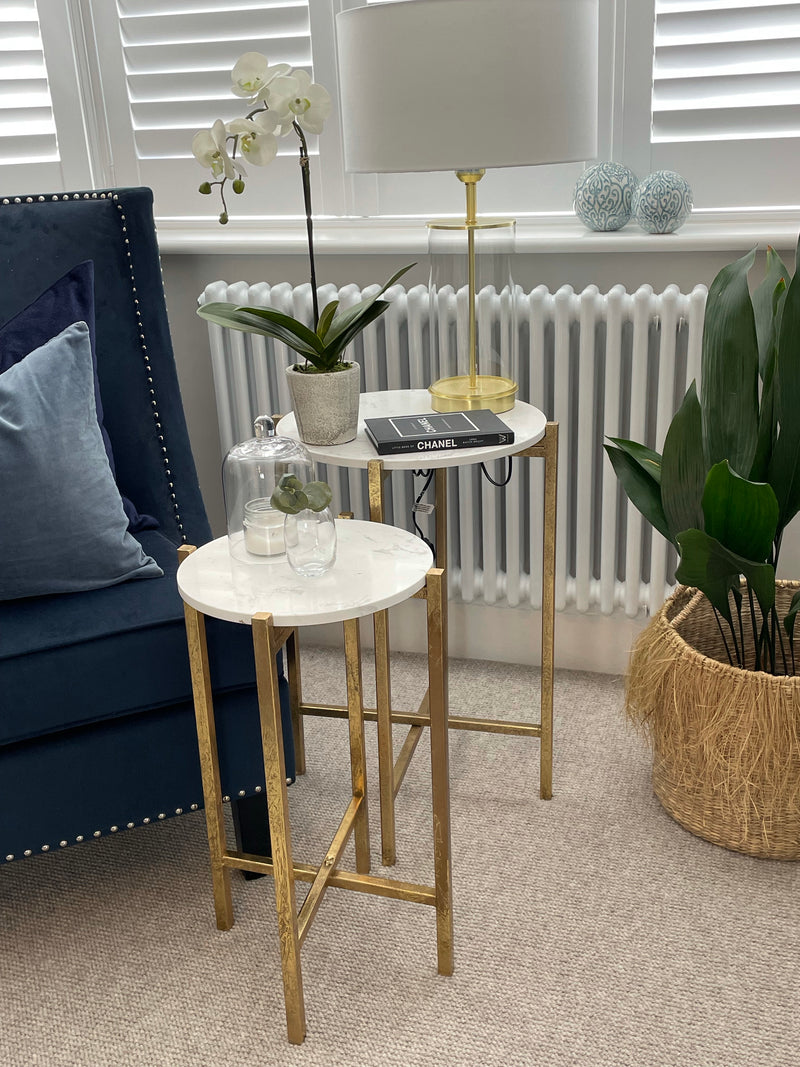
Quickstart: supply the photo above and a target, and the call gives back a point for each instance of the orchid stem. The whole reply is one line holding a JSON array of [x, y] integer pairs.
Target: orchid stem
[[306, 176]]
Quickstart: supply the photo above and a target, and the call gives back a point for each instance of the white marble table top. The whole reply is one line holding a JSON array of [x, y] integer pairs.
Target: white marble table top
[[527, 422], [376, 567]]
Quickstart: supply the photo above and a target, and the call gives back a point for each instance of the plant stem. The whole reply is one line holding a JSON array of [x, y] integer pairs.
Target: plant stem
[[738, 603], [776, 626], [722, 635], [756, 634], [306, 176]]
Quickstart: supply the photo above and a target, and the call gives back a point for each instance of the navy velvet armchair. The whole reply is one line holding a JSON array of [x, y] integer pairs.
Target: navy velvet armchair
[[96, 718]]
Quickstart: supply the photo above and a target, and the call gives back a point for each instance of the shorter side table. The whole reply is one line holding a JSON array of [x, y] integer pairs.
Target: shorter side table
[[377, 567]]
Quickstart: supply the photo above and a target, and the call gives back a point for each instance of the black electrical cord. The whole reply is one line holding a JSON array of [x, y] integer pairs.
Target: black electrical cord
[[507, 478], [428, 476]]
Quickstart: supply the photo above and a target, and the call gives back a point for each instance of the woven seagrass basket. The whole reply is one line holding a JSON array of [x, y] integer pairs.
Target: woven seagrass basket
[[726, 741]]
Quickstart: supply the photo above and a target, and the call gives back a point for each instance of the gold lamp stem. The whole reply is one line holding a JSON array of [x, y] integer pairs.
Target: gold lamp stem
[[470, 178]]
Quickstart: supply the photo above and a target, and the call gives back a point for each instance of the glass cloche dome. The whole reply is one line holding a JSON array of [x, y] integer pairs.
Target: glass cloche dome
[[250, 472]]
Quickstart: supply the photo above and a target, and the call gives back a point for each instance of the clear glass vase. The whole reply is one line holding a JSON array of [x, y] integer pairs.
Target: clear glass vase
[[310, 538]]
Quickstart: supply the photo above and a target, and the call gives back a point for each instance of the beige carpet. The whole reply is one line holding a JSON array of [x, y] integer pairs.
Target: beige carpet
[[591, 931]]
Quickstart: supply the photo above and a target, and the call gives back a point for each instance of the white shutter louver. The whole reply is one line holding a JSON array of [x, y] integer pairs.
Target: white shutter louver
[[726, 70], [27, 126], [177, 64]]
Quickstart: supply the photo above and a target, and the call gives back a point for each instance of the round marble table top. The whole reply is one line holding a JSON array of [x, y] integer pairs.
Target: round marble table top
[[527, 422], [376, 567]]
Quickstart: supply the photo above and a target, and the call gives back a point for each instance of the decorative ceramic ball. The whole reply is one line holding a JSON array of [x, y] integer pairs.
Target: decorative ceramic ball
[[603, 196], [662, 202]]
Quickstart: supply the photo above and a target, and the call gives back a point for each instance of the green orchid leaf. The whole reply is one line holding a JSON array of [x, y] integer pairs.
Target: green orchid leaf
[[729, 398], [641, 488], [345, 319], [648, 460], [683, 468], [741, 515], [235, 318], [791, 615], [374, 311], [318, 494], [286, 322], [784, 469], [710, 567], [325, 318], [764, 305]]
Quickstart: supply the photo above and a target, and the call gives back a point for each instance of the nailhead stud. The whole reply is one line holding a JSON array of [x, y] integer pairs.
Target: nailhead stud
[[10, 857]]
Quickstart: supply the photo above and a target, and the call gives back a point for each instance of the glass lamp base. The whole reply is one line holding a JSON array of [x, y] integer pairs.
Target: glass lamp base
[[487, 391]]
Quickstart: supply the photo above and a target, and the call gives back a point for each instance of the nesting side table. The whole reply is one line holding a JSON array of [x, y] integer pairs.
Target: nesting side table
[[377, 567], [534, 437]]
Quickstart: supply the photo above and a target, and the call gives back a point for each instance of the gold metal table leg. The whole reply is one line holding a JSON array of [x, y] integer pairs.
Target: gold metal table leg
[[358, 760], [383, 689], [209, 759], [440, 765], [265, 649], [295, 700], [550, 450]]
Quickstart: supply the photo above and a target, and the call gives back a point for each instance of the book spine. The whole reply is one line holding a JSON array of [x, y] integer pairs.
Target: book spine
[[441, 443]]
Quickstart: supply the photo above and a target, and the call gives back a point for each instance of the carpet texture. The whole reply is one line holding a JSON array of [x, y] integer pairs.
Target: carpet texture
[[590, 931]]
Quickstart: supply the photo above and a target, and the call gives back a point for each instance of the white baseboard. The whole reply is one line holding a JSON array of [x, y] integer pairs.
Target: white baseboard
[[583, 642]]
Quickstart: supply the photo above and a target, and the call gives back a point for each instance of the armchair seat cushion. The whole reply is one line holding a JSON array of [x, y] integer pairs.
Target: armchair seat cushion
[[78, 658]]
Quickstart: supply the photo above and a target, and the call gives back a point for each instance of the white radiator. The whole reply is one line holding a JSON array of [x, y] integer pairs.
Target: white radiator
[[613, 364]]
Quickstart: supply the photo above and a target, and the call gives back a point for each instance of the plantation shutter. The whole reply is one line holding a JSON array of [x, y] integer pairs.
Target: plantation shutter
[[27, 125], [726, 99], [726, 68], [176, 61]]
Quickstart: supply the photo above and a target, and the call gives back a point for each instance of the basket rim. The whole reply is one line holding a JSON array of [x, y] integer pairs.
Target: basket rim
[[681, 604]]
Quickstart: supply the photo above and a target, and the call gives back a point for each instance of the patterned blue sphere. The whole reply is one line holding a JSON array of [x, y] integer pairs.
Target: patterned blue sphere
[[662, 202], [603, 196]]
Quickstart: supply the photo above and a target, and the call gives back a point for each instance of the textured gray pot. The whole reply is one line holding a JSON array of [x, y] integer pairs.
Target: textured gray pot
[[326, 405]]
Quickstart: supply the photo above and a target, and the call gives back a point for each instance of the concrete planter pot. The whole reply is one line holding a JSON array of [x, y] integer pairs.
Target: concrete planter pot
[[326, 405]]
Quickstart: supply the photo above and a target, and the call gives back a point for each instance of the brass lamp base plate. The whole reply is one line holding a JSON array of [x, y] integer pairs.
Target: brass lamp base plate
[[460, 394]]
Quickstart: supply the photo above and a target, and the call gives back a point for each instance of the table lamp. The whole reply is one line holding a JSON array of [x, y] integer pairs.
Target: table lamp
[[467, 85]]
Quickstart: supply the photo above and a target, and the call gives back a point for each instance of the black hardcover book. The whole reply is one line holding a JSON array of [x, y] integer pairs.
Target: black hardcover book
[[437, 432]]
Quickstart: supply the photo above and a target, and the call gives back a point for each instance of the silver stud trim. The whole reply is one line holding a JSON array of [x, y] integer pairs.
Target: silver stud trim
[[225, 800], [27, 852], [179, 811], [193, 807], [114, 829], [10, 857], [162, 815], [130, 825], [45, 848], [97, 833], [63, 844], [258, 788], [145, 821]]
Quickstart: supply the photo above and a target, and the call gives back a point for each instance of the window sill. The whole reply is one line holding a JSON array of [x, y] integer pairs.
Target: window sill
[[703, 232]]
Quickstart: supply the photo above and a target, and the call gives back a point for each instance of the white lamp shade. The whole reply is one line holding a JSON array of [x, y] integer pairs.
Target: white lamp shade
[[468, 84]]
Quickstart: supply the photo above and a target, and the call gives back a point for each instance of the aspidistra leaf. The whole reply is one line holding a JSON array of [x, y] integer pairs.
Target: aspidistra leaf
[[642, 489], [729, 396], [741, 515], [683, 468], [648, 460]]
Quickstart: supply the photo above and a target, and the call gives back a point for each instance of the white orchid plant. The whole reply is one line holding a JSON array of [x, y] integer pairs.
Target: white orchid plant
[[281, 101]]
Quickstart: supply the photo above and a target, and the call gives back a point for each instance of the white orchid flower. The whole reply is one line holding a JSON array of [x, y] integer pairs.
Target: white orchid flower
[[211, 150], [257, 140], [297, 98], [252, 75]]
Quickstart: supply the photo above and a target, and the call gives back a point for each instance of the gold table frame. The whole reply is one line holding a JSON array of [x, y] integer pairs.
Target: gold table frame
[[391, 773], [293, 926]]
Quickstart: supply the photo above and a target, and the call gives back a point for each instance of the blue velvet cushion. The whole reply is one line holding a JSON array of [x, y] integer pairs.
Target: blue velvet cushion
[[62, 524], [69, 299]]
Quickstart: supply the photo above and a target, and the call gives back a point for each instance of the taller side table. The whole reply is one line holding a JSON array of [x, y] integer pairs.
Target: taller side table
[[376, 568], [534, 437]]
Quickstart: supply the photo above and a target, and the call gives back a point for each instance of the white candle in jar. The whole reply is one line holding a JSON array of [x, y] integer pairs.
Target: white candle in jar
[[263, 528]]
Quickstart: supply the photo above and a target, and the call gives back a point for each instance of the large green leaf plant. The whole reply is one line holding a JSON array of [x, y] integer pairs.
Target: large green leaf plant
[[728, 481]]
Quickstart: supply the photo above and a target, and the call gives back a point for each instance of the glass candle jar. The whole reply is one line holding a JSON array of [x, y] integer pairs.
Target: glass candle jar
[[250, 473]]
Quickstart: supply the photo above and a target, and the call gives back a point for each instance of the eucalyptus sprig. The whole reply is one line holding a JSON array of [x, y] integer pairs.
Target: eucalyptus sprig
[[291, 497]]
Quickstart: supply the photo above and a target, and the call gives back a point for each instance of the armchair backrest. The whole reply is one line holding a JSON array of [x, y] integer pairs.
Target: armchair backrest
[[44, 236]]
